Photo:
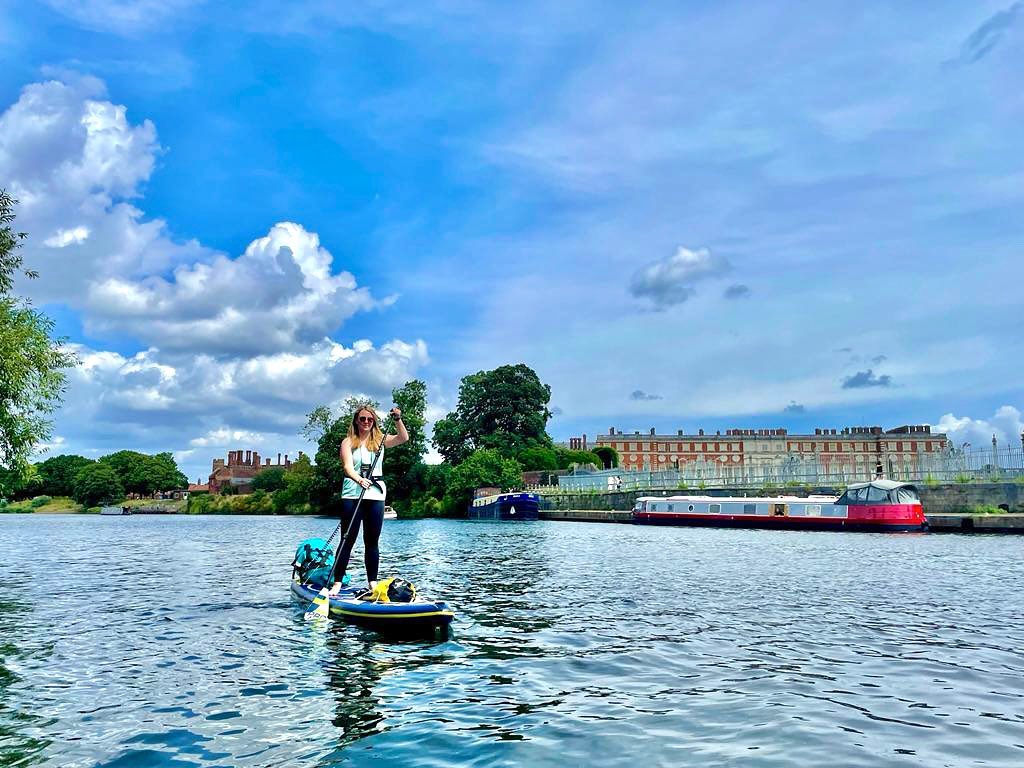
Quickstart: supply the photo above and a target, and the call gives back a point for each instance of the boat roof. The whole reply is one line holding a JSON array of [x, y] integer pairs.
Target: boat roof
[[886, 485], [748, 499]]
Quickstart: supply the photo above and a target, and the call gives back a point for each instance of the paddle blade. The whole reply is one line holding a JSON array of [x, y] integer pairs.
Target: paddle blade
[[321, 605]]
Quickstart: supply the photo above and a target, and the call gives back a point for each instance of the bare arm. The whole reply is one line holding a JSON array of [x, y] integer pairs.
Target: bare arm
[[402, 435]]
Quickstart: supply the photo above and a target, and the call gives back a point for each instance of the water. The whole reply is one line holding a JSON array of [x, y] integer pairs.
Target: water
[[575, 645]]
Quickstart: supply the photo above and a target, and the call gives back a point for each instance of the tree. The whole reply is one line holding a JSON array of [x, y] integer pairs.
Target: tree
[[132, 470], [294, 496], [97, 483], [318, 421], [483, 468], [566, 458], [57, 474], [399, 461], [537, 458], [269, 480], [325, 490], [608, 455], [505, 409], [32, 363], [164, 474]]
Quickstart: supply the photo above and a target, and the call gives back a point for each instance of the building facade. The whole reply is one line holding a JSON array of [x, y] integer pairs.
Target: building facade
[[240, 469], [855, 451]]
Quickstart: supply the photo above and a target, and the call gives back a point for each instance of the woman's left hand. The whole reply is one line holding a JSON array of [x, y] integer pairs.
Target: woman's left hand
[[396, 413]]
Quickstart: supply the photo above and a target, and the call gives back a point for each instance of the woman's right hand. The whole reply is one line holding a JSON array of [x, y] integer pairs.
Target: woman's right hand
[[365, 482]]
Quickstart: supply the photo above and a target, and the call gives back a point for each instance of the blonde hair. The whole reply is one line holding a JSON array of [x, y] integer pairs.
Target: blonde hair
[[376, 437]]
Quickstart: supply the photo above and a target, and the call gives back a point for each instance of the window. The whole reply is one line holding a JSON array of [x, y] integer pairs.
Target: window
[[876, 495], [715, 509], [750, 509], [906, 495]]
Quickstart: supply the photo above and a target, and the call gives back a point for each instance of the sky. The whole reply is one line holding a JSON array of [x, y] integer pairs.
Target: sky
[[682, 215]]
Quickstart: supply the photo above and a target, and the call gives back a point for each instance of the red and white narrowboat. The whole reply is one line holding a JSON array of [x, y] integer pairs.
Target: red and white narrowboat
[[881, 505]]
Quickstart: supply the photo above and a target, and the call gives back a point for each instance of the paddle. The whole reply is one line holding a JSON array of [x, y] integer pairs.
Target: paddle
[[321, 604]]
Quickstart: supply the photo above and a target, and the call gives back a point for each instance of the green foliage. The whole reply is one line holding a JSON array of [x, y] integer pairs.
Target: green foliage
[[97, 483], [294, 497], [505, 409], [567, 458], [608, 455], [270, 480], [399, 461], [57, 473], [963, 479], [483, 468], [987, 509], [930, 481], [143, 474], [538, 458], [325, 488], [32, 363], [40, 501]]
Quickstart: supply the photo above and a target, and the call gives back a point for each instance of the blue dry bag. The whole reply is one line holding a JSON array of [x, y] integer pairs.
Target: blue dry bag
[[313, 563]]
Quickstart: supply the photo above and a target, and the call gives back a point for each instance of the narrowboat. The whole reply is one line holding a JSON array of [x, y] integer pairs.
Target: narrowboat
[[880, 505], [505, 506]]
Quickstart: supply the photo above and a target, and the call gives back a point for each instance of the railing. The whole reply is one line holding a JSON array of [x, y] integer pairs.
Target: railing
[[1002, 465]]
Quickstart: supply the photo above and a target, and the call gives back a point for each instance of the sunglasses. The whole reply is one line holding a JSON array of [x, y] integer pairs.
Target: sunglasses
[[365, 419]]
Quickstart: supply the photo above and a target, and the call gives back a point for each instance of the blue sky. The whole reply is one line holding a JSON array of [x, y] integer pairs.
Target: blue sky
[[681, 215]]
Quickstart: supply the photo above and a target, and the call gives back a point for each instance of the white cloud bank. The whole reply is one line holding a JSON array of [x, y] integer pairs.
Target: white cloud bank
[[237, 348], [1006, 424]]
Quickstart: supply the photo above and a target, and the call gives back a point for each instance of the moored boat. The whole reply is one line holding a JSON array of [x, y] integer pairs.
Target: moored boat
[[880, 505], [505, 506]]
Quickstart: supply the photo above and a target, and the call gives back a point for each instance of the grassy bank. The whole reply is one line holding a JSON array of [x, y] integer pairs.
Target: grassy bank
[[45, 505]]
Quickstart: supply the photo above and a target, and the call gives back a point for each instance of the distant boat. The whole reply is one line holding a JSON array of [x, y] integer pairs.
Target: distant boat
[[115, 510], [505, 506], [390, 514]]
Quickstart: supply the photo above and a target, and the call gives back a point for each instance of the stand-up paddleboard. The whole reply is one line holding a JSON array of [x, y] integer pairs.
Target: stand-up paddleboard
[[418, 617]]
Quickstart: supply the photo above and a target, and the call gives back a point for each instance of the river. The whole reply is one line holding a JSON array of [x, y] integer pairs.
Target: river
[[172, 641]]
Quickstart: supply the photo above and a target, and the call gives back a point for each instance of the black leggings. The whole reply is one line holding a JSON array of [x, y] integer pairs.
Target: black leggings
[[371, 515]]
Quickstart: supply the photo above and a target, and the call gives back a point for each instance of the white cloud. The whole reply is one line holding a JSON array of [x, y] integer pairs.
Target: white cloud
[[671, 280], [65, 237], [125, 17], [1006, 424], [280, 294]]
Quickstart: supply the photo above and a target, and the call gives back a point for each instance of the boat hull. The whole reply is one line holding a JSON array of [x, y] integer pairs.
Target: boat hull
[[418, 618], [777, 523], [508, 506]]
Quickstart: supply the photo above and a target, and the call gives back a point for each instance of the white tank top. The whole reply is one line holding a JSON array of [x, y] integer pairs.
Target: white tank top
[[350, 489]]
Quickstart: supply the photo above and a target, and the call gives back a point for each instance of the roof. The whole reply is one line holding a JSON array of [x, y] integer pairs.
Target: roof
[[886, 485]]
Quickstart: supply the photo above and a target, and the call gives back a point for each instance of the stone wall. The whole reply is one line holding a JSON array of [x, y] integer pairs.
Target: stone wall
[[966, 497]]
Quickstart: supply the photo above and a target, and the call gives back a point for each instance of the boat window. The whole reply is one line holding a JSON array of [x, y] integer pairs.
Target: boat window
[[690, 508], [750, 509], [906, 495], [876, 495], [715, 509], [854, 496]]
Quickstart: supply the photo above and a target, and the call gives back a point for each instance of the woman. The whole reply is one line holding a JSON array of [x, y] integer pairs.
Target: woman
[[362, 465]]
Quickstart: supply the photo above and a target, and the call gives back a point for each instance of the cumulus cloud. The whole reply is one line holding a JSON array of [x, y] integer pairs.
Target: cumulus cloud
[[671, 281], [125, 17], [737, 291], [639, 394], [280, 294], [74, 161], [1006, 424], [794, 407], [865, 379]]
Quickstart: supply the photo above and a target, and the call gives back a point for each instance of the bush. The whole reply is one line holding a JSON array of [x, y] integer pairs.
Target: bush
[[40, 501], [987, 509]]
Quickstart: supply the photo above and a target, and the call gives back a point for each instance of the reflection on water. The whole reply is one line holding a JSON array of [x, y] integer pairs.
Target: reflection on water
[[174, 642]]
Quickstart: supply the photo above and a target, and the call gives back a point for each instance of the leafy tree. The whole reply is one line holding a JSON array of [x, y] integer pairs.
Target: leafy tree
[[164, 474], [32, 363], [538, 458], [399, 461], [57, 474], [294, 496], [608, 455], [325, 488], [97, 483], [318, 421], [566, 458], [132, 470], [269, 480], [505, 409], [483, 468]]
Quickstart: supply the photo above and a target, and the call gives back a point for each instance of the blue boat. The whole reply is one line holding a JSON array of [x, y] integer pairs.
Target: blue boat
[[505, 506]]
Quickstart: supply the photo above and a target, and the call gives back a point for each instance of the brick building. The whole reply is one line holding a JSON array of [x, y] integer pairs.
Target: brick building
[[853, 450], [240, 469]]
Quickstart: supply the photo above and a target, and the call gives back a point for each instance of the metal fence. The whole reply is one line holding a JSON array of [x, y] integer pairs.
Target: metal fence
[[954, 466]]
